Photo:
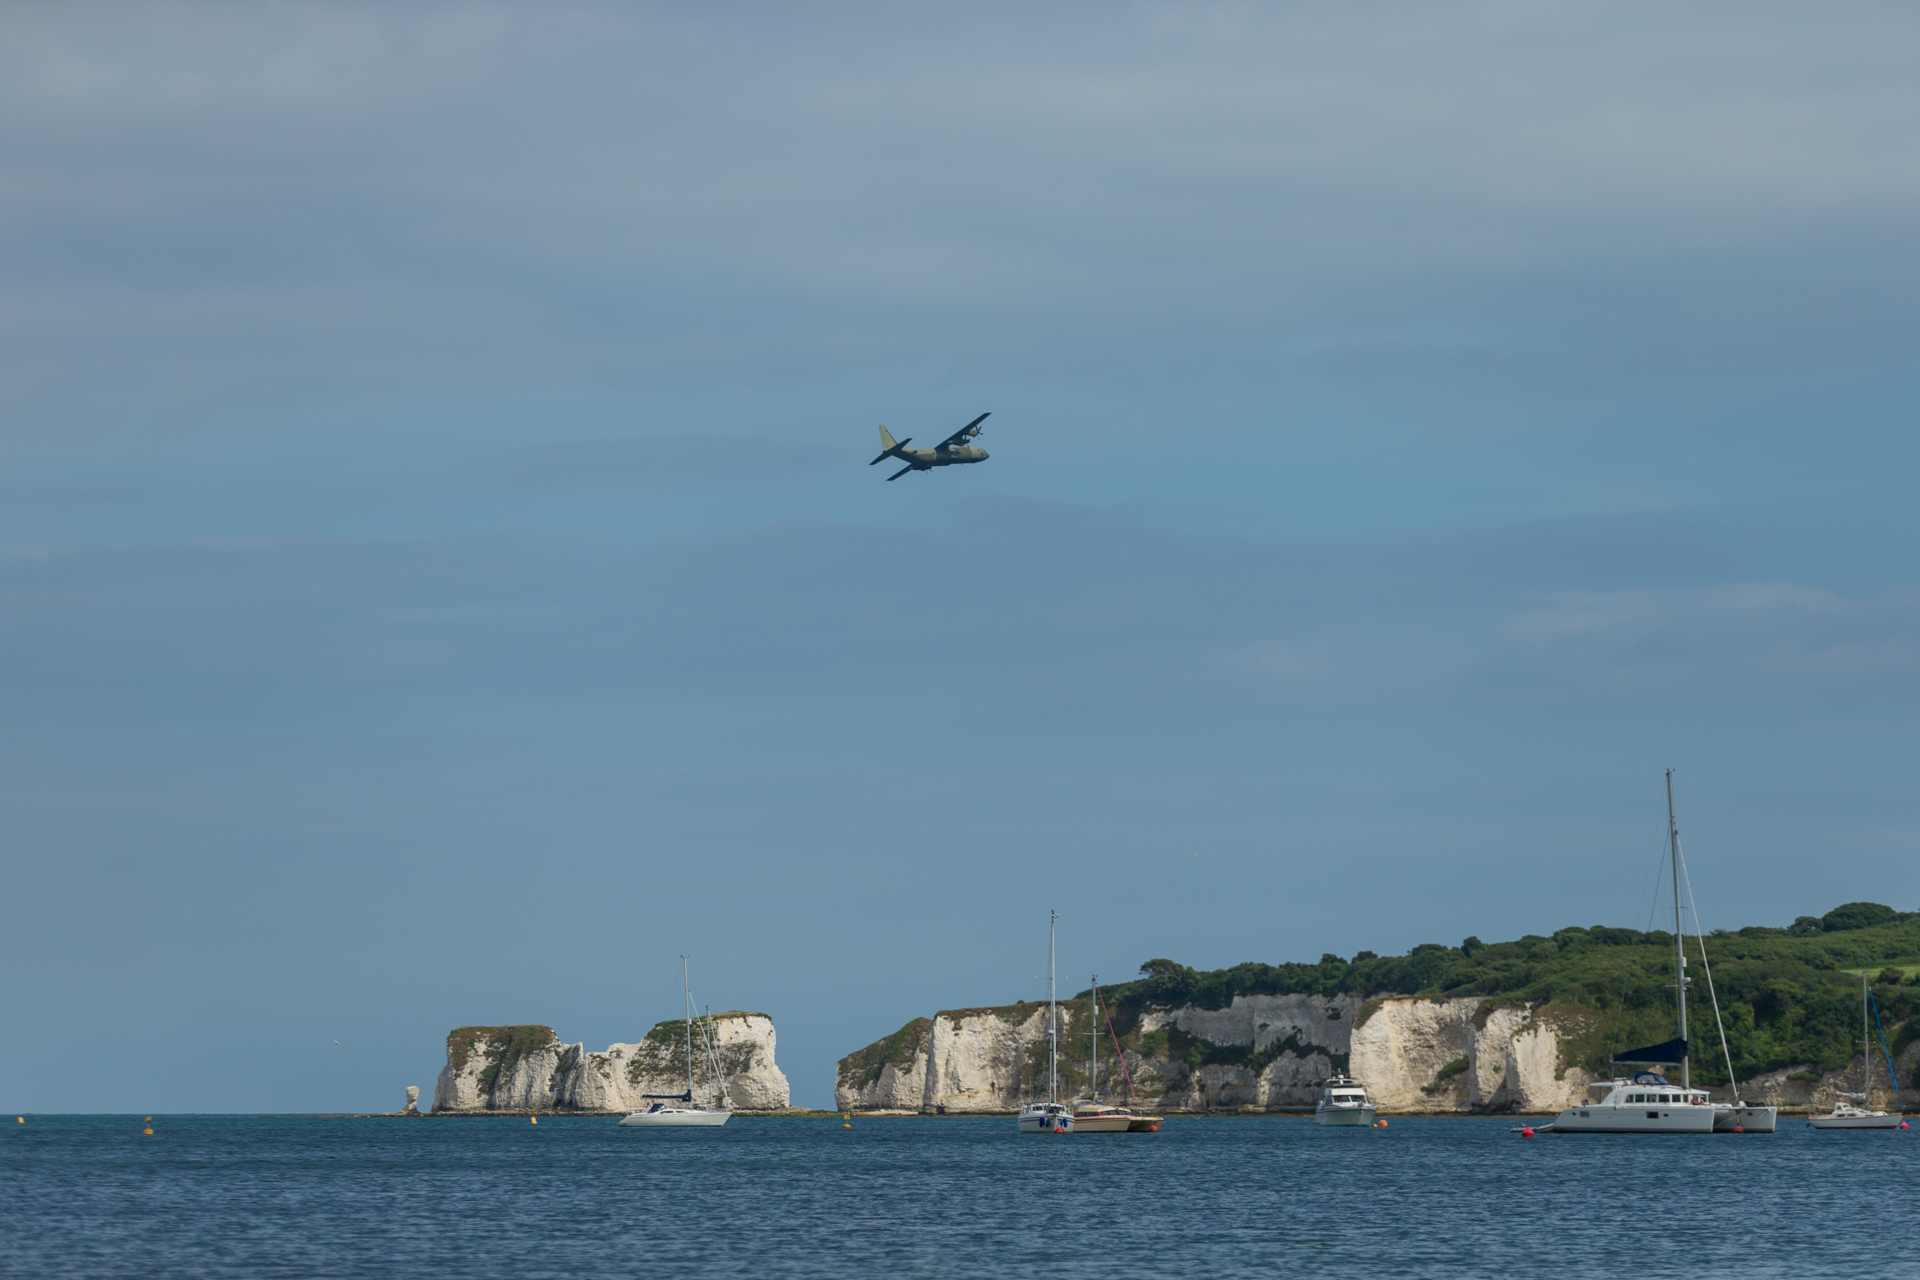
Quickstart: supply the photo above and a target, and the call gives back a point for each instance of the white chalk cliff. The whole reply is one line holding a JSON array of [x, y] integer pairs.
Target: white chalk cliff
[[1268, 1051], [1413, 1054], [528, 1068]]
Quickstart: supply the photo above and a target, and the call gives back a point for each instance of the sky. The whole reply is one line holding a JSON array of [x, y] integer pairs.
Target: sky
[[441, 580]]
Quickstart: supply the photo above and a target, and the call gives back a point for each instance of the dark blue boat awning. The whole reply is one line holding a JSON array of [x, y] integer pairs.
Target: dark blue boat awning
[[1670, 1054]]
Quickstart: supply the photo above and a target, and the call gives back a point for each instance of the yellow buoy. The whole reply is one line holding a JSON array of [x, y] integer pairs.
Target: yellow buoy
[[23, 1119], [148, 1132], [533, 1119]]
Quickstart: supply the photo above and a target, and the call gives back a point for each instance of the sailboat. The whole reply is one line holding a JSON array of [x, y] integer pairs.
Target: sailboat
[[1844, 1114], [1090, 1115], [1647, 1101], [688, 1114], [1050, 1116]]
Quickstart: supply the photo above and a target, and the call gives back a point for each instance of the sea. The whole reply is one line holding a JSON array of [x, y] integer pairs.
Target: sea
[[477, 1198]]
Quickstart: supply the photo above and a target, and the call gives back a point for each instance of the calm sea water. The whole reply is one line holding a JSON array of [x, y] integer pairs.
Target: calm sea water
[[217, 1196]]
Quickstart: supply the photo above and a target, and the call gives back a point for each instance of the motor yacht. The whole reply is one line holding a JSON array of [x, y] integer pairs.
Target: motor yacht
[[1343, 1100]]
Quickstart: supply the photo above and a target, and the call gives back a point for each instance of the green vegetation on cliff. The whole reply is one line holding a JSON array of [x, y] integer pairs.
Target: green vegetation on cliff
[[1789, 996], [499, 1047]]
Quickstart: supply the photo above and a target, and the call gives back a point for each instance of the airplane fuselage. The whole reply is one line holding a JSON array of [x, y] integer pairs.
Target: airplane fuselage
[[921, 459]]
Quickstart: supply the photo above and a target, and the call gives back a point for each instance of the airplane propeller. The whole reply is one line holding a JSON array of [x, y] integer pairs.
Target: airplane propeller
[[898, 445]]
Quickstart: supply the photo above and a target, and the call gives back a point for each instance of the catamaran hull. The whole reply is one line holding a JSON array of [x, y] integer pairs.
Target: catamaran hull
[[1747, 1119], [675, 1119], [1634, 1119], [1102, 1124]]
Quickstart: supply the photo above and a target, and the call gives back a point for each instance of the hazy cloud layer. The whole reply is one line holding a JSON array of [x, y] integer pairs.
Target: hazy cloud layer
[[663, 194]]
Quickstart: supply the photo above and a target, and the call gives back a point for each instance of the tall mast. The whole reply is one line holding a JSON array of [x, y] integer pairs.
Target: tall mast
[[1093, 1040], [686, 988], [1866, 1050], [1053, 1018], [1679, 944]]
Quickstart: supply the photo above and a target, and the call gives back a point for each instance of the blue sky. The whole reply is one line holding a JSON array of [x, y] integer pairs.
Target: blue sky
[[440, 580]]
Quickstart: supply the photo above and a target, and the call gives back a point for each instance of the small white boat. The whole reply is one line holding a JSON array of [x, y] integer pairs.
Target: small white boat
[[1844, 1114], [688, 1114], [1847, 1116], [1049, 1115], [1343, 1100]]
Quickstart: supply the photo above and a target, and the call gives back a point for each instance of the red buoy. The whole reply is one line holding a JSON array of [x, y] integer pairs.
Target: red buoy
[[1526, 1131], [1903, 1124]]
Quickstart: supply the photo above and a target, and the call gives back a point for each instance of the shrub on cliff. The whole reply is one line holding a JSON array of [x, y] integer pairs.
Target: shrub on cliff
[[1857, 915]]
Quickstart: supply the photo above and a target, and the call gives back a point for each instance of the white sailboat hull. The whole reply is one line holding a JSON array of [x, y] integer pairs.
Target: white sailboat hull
[[1877, 1120], [1035, 1124], [676, 1118]]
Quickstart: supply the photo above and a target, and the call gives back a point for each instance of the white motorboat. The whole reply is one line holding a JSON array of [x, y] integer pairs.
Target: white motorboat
[[1648, 1102], [1343, 1100], [687, 1114], [1845, 1115], [1049, 1115]]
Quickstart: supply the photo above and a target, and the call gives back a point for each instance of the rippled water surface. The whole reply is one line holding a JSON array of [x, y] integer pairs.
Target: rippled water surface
[[254, 1196]]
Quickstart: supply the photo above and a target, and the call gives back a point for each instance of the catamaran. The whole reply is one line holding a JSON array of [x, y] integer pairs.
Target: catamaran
[[1845, 1115], [1647, 1101], [1049, 1116], [1090, 1115], [688, 1114]]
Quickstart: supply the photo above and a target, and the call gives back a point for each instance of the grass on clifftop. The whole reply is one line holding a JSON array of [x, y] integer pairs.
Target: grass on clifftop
[[499, 1047], [1789, 997]]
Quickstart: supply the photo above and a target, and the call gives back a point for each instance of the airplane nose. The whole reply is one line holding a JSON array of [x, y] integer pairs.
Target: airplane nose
[[984, 455]]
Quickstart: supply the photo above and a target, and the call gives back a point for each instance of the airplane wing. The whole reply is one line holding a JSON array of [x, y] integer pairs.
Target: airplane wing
[[965, 433]]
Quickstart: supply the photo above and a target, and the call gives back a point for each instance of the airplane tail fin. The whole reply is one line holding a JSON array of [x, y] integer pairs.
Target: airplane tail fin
[[889, 447]]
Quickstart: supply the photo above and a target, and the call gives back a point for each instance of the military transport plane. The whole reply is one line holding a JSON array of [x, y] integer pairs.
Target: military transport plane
[[952, 450]]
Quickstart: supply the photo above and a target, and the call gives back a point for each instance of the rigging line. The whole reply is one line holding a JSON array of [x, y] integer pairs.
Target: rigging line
[[1885, 1051], [1118, 1052], [1659, 857], [1700, 936]]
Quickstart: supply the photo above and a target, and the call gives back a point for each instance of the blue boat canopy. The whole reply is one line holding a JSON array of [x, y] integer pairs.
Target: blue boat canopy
[[1670, 1054]]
